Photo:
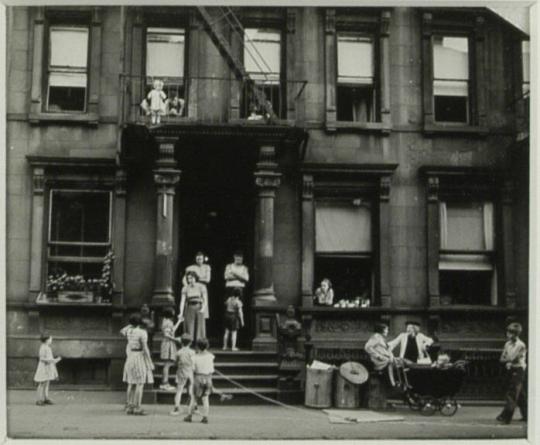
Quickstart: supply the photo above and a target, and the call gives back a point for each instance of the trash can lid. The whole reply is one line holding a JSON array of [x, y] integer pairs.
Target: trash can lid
[[354, 372]]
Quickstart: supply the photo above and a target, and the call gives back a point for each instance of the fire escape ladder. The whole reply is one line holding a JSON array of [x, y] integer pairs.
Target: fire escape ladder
[[224, 47]]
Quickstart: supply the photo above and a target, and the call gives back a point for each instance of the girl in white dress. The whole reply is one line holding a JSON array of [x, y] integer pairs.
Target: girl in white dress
[[46, 371], [168, 346]]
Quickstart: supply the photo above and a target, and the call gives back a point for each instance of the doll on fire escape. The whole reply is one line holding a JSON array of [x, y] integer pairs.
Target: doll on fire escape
[[156, 98]]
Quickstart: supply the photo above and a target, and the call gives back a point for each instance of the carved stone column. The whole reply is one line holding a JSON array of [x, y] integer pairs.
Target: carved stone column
[[433, 240], [166, 177], [508, 245], [267, 180], [384, 241], [308, 240], [119, 238], [37, 238]]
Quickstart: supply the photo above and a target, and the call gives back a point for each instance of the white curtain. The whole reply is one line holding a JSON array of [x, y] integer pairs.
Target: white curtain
[[262, 53], [451, 58], [443, 225], [465, 226], [489, 233], [165, 59], [342, 228]]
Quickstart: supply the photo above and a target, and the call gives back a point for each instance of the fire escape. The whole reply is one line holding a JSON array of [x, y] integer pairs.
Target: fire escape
[[225, 15]]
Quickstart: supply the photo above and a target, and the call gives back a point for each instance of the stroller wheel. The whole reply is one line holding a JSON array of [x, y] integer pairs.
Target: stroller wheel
[[449, 407], [429, 407]]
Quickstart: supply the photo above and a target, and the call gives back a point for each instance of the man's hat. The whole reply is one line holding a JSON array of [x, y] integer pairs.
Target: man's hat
[[354, 372], [415, 323], [515, 328]]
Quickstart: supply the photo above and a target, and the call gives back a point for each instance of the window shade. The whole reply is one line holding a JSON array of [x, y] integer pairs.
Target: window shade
[[355, 59], [450, 88], [342, 228], [262, 53], [467, 226], [67, 80], [69, 47], [450, 58], [526, 60], [165, 52]]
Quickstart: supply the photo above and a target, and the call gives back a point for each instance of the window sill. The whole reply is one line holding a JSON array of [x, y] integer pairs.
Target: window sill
[[475, 308], [71, 118], [356, 310], [358, 127], [455, 129]]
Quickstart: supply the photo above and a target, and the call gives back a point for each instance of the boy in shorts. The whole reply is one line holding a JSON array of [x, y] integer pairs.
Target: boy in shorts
[[203, 367], [184, 373]]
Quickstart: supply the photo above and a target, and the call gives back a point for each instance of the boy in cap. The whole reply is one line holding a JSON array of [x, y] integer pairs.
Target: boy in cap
[[412, 344], [184, 372], [514, 359]]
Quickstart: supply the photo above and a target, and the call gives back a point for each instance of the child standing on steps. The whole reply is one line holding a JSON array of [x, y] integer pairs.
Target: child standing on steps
[[184, 372], [46, 370], [203, 367], [168, 346], [234, 318]]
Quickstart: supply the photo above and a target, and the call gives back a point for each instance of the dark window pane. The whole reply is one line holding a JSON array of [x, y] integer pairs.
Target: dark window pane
[[466, 287], [80, 251], [350, 277], [66, 98], [80, 217], [451, 109], [87, 270], [355, 104], [251, 103]]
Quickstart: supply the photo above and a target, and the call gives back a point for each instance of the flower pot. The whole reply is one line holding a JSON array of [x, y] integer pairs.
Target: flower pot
[[75, 296]]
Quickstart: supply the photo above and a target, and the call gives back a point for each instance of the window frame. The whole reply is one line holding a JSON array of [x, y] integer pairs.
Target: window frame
[[43, 19], [452, 24], [49, 68], [374, 23], [49, 243]]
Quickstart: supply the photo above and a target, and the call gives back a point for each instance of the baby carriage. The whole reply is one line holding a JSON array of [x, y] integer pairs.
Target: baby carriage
[[431, 388]]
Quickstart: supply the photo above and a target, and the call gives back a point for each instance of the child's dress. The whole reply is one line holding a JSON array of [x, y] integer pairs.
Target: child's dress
[[46, 370], [137, 369], [168, 347]]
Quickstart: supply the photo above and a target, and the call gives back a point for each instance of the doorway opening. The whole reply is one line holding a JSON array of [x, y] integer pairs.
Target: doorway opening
[[217, 206]]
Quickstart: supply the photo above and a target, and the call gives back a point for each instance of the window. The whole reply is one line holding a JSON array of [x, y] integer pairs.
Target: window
[[79, 231], [451, 79], [355, 78], [262, 61], [467, 273], [343, 247], [67, 68], [165, 55], [526, 67]]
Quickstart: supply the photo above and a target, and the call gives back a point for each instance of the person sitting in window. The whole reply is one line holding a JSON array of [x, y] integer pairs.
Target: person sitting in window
[[175, 106], [324, 295], [413, 344], [254, 114]]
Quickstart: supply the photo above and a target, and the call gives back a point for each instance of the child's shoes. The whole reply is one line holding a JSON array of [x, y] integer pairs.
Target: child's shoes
[[48, 402], [175, 411], [40, 403], [188, 418], [204, 420]]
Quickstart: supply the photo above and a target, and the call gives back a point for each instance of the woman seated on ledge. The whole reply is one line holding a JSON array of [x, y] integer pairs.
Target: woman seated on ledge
[[324, 295]]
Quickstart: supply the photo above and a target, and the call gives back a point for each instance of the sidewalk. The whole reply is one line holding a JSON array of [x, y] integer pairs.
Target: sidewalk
[[98, 415]]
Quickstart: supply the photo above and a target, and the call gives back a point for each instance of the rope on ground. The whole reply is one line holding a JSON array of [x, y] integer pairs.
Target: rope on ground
[[277, 402]]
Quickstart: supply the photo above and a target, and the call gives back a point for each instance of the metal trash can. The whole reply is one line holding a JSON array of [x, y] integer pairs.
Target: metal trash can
[[347, 394], [319, 387]]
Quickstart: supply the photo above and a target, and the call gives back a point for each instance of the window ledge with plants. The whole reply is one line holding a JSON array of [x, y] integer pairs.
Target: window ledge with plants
[[69, 290]]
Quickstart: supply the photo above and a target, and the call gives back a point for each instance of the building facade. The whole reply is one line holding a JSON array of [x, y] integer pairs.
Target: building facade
[[383, 148]]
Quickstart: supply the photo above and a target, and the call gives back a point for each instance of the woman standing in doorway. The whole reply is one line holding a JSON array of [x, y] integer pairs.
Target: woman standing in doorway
[[204, 274], [192, 307]]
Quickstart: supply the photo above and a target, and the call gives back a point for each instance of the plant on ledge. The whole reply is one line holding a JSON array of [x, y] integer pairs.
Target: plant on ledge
[[75, 288]]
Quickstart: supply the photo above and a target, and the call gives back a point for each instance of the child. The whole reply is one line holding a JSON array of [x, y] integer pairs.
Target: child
[[168, 346], [184, 372], [324, 295], [203, 368], [234, 318], [46, 370], [156, 98], [514, 359]]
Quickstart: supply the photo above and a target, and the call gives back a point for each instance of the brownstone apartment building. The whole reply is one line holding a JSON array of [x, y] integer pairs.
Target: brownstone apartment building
[[383, 148]]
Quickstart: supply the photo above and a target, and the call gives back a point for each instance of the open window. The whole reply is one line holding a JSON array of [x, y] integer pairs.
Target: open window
[[79, 231], [467, 272], [451, 79], [343, 247], [356, 92], [67, 69], [262, 61], [165, 62]]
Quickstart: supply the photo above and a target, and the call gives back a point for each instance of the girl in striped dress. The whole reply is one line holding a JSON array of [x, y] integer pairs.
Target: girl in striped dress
[[138, 367], [46, 370], [168, 346]]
